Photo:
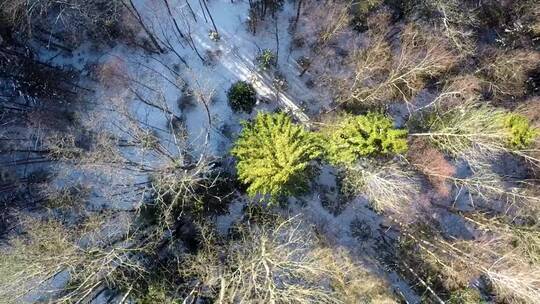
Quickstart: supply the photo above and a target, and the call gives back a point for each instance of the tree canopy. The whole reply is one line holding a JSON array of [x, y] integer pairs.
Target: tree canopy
[[274, 154], [363, 135]]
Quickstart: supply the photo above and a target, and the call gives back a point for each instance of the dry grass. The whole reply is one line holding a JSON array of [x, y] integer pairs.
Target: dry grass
[[506, 72]]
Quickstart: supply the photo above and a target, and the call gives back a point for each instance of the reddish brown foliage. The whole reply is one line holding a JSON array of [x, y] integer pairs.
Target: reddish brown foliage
[[112, 73], [433, 164]]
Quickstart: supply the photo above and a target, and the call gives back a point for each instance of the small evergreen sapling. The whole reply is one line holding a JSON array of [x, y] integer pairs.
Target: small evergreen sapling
[[274, 154], [364, 135], [521, 133], [266, 59], [242, 97]]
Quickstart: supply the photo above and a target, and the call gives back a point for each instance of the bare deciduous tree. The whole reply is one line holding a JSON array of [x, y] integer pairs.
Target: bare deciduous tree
[[281, 263]]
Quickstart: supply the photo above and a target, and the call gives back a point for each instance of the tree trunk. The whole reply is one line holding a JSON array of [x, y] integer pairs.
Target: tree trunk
[[191, 10], [297, 14], [210, 15], [133, 10], [277, 40]]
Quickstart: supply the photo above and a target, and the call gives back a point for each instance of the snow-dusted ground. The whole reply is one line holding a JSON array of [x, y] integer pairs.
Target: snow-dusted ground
[[163, 79], [233, 59]]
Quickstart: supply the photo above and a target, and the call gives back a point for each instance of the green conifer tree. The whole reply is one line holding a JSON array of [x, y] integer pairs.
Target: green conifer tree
[[521, 133], [363, 135], [242, 97], [273, 155]]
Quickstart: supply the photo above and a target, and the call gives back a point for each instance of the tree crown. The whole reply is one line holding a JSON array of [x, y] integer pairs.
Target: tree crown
[[363, 135], [242, 96], [520, 132], [273, 155]]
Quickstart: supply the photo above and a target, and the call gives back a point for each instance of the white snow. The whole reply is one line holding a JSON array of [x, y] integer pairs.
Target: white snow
[[236, 51]]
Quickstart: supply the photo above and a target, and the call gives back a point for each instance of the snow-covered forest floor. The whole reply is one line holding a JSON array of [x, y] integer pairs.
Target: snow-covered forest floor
[[166, 78], [150, 123], [137, 91]]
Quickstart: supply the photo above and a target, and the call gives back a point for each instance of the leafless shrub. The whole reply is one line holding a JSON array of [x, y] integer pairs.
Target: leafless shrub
[[438, 270], [280, 263], [104, 150], [516, 21], [531, 109], [65, 197], [423, 53], [455, 92], [388, 186], [535, 22], [322, 23], [458, 20], [457, 25], [501, 253], [177, 191], [459, 90], [336, 18], [514, 267], [360, 10], [515, 283], [382, 74], [73, 21], [506, 72], [50, 250], [525, 237], [498, 254], [62, 147], [30, 262]]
